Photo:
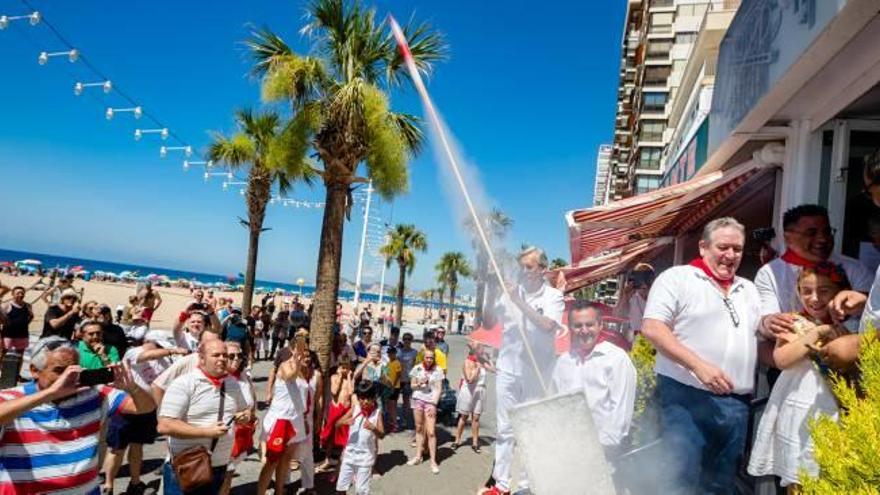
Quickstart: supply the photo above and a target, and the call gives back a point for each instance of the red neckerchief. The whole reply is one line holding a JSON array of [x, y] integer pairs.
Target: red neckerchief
[[701, 264], [215, 380], [427, 368], [236, 374], [793, 258], [473, 358]]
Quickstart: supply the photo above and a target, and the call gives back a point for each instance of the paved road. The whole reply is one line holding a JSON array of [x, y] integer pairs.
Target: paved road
[[461, 472]]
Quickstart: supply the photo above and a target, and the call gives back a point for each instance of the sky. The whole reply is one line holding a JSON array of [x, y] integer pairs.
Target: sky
[[528, 92]]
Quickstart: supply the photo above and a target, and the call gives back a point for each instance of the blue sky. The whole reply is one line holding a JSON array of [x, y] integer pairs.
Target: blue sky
[[528, 91]]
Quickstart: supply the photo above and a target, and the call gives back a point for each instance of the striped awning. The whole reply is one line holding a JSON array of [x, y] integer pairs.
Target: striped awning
[[608, 264], [594, 232]]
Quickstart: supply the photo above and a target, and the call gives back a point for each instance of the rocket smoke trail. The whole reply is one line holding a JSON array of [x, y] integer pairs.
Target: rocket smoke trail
[[403, 46]]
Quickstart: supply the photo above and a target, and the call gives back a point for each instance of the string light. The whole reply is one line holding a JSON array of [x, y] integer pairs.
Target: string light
[[187, 150], [72, 55], [208, 175], [136, 111], [187, 163], [34, 19], [231, 182], [139, 133], [78, 88]]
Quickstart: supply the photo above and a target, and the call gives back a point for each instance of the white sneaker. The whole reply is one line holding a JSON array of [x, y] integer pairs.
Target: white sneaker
[[414, 461], [435, 469]]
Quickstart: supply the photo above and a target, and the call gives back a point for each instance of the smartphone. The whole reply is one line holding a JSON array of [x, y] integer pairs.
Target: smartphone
[[230, 421], [100, 376]]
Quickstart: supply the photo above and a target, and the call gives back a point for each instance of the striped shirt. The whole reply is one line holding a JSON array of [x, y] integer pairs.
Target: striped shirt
[[53, 448]]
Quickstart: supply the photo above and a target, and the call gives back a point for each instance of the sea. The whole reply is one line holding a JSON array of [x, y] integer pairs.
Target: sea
[[50, 261]]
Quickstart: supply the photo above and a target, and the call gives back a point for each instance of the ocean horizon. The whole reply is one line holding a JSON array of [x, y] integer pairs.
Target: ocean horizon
[[50, 261]]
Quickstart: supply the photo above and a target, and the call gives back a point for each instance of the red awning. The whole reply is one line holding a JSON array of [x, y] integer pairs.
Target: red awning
[[594, 232], [607, 265]]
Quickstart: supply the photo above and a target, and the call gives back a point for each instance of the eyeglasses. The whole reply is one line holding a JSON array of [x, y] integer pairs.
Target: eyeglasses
[[812, 233], [235, 355], [734, 316]]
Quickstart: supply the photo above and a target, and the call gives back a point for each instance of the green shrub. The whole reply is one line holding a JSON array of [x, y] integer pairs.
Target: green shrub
[[848, 450], [645, 423]]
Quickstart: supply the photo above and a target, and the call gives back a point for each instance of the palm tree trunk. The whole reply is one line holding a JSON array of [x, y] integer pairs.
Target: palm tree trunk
[[400, 292], [327, 278], [451, 309], [250, 273], [440, 302]]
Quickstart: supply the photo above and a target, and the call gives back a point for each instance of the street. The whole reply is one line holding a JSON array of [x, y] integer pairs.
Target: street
[[461, 471]]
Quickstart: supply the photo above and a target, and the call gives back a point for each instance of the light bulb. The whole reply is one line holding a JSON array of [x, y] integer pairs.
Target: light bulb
[[164, 134], [210, 163], [78, 88], [4, 21], [241, 191], [229, 176], [138, 134], [35, 18], [225, 185], [108, 86], [73, 55], [109, 113], [138, 111], [207, 176], [185, 165], [44, 58], [163, 151], [188, 151]]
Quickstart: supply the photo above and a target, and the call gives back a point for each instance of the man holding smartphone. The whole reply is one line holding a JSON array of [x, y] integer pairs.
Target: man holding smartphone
[[70, 450]]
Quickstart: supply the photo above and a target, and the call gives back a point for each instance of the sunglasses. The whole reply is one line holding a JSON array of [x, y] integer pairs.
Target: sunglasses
[[237, 355]]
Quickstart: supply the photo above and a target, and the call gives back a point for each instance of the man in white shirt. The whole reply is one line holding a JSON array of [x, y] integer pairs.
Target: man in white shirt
[[602, 370], [809, 239], [703, 319], [192, 322], [534, 309], [197, 410]]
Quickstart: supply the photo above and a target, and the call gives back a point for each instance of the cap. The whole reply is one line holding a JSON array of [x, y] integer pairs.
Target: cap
[[69, 293], [162, 339]]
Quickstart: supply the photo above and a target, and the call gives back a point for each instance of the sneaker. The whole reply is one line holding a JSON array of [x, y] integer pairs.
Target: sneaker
[[435, 469], [476, 449], [414, 461]]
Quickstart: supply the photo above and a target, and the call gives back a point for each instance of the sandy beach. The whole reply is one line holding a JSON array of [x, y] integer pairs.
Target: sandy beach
[[174, 299]]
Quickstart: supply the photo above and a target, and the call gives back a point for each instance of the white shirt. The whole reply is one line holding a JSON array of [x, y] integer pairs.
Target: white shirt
[[608, 379], [777, 283], [694, 307], [512, 358], [145, 372], [187, 340], [871, 313], [360, 450], [425, 383], [192, 398], [180, 367]]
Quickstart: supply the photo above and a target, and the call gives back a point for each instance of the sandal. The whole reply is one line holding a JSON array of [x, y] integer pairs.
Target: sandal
[[476, 449], [455, 445]]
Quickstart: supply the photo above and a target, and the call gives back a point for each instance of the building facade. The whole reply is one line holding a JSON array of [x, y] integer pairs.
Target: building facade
[[603, 163]]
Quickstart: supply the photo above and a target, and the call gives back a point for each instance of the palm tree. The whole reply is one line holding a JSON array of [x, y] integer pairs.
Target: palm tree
[[340, 98], [558, 263], [263, 145], [451, 266], [496, 226], [402, 244]]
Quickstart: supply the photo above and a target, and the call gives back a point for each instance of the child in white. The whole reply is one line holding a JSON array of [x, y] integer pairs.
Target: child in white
[[287, 405], [783, 445], [360, 452]]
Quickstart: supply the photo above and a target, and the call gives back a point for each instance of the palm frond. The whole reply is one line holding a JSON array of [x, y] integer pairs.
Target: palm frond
[[410, 128], [427, 46], [388, 150], [236, 151], [298, 79], [267, 49]]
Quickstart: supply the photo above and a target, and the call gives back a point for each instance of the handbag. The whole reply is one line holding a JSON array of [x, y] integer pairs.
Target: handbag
[[192, 467]]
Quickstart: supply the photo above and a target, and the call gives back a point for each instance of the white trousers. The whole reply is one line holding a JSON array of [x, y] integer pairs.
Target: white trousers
[[359, 475], [510, 391], [306, 459]]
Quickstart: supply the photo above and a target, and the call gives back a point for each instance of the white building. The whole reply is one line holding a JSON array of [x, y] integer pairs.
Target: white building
[[603, 164]]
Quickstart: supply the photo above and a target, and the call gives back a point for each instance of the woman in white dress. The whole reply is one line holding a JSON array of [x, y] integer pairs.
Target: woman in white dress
[[469, 402], [283, 427], [783, 445], [309, 384]]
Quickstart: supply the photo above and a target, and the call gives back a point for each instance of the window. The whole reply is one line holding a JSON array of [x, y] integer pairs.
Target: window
[[656, 76], [652, 130], [693, 9], [661, 22], [659, 49], [685, 38], [654, 102], [650, 159], [646, 184]]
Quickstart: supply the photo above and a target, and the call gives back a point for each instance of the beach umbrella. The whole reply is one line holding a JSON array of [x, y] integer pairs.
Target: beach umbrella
[[7, 263], [30, 262]]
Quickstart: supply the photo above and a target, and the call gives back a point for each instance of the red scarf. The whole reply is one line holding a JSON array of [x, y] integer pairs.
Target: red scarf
[[236, 374], [473, 358], [215, 380], [429, 368], [701, 264], [793, 258]]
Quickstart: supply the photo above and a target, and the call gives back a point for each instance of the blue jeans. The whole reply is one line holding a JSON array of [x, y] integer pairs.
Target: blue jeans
[[704, 435], [169, 481]]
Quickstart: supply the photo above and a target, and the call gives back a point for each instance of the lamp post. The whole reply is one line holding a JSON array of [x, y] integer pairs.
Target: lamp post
[[300, 281]]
